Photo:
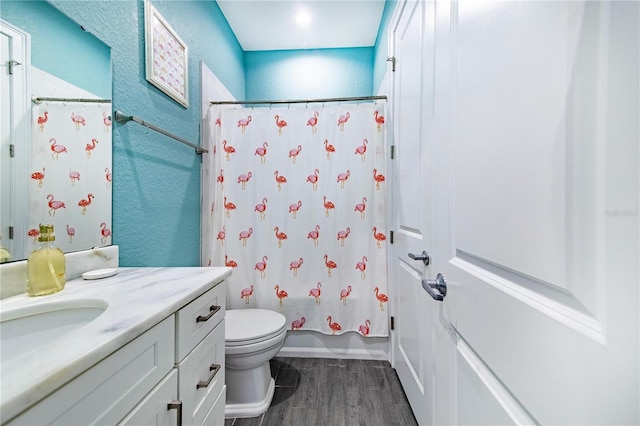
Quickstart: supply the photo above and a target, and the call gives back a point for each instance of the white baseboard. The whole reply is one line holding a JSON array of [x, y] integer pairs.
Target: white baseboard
[[311, 344]]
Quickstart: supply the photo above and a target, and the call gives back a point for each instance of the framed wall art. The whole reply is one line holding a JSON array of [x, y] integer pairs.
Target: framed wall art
[[165, 56]]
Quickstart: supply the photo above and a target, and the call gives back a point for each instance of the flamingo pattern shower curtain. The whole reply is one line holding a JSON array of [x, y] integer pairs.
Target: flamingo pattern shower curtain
[[294, 201]]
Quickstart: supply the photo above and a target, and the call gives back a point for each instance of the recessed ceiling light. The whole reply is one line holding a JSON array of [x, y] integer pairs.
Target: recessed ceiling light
[[303, 18]]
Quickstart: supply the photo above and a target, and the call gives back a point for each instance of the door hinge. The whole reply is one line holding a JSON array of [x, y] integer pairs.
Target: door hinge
[[391, 237], [393, 152], [393, 61], [12, 150], [11, 232], [11, 64], [392, 323]]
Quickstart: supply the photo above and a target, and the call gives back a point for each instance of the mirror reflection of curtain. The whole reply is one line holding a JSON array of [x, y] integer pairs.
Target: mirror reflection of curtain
[[296, 201], [70, 140]]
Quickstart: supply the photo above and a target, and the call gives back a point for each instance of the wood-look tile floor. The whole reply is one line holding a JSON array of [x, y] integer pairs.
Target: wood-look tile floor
[[333, 392]]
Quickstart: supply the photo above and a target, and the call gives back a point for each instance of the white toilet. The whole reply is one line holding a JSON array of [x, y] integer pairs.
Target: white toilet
[[252, 338]]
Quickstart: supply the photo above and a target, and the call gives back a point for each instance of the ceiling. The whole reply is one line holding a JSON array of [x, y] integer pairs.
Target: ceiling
[[272, 24]]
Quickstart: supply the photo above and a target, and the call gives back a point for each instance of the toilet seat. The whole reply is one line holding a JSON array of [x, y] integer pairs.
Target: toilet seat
[[250, 326]]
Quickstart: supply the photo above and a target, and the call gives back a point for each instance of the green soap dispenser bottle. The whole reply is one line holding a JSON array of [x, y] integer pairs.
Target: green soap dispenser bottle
[[46, 265]]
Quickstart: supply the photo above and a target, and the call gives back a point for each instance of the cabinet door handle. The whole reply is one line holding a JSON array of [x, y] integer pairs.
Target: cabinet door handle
[[214, 370], [213, 309], [177, 405]]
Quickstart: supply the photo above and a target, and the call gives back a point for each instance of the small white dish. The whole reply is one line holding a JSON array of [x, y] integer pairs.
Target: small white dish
[[100, 273]]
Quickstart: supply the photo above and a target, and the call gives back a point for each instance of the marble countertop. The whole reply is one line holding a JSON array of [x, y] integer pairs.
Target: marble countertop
[[137, 299]]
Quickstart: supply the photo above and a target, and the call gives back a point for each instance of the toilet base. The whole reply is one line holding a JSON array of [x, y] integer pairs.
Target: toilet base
[[251, 409]]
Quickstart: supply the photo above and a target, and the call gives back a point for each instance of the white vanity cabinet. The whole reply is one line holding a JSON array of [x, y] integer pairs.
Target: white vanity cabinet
[[171, 374]]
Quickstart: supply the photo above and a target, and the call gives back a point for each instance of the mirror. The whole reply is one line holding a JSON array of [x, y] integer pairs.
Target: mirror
[[56, 154]]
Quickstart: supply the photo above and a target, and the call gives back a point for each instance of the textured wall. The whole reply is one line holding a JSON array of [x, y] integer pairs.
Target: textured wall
[[156, 181], [313, 73], [60, 47]]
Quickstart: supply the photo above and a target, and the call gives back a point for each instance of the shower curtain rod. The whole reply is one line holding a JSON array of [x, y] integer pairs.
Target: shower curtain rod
[[39, 100], [301, 101]]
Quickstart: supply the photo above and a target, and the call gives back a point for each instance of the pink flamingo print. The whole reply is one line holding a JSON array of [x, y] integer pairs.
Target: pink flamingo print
[[379, 178], [295, 265], [228, 149], [244, 122], [39, 176], [261, 208], [281, 124], [245, 235], [297, 324], [342, 235], [293, 153], [229, 262], [218, 122], [262, 267], [380, 237], [262, 152], [74, 176], [379, 120], [90, 147], [107, 121], [54, 205], [105, 232], [382, 298], [243, 179], [56, 149], [293, 208], [328, 205], [71, 233], [314, 235], [279, 180], [221, 236], [334, 326], [342, 178], [42, 119], [246, 294], [33, 232], [362, 149], [220, 178], [85, 202], [364, 328], [228, 206], [313, 179], [342, 120], [315, 292], [108, 177], [330, 264], [360, 207], [362, 266], [280, 294], [281, 236], [329, 148], [313, 121], [344, 294], [78, 120]]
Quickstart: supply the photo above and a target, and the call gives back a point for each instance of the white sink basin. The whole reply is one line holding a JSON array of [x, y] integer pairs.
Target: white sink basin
[[27, 328]]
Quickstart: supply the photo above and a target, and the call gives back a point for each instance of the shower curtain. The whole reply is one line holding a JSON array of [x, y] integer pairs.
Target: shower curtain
[[70, 177], [293, 200]]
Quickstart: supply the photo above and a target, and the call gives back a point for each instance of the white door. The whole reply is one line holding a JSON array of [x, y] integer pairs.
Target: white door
[[414, 312], [536, 209]]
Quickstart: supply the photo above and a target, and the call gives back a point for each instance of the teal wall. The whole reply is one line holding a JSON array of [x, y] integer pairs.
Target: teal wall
[[156, 181], [381, 47], [60, 47], [311, 73]]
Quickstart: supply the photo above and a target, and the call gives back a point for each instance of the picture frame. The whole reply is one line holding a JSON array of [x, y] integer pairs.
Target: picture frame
[[166, 57]]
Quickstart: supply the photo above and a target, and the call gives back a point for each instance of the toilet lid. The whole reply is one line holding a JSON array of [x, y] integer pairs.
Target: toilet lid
[[244, 326]]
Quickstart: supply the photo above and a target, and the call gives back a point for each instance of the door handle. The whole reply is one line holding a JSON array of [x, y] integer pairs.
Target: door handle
[[424, 257], [439, 284]]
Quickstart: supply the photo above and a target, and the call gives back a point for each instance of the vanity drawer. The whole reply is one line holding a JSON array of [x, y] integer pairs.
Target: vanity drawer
[[106, 392], [153, 409], [216, 414], [197, 319], [201, 377]]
